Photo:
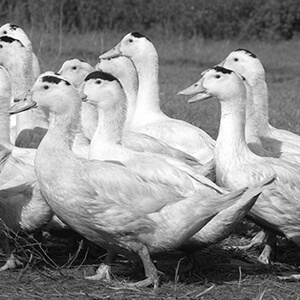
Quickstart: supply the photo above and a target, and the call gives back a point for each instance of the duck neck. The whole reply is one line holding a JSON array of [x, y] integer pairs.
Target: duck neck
[[109, 130], [148, 92], [4, 122], [130, 88], [260, 100], [61, 132], [21, 74], [231, 142]]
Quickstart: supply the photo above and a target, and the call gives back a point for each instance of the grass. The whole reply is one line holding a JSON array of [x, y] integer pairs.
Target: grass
[[216, 272]]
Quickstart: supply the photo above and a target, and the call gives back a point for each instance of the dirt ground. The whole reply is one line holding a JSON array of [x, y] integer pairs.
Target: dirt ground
[[57, 269]]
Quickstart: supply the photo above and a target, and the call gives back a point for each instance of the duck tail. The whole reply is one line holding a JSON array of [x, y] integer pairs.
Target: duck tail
[[4, 156], [224, 222]]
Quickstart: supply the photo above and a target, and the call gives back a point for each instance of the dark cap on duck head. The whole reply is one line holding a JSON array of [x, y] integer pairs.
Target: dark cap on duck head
[[14, 27], [54, 79], [100, 75], [247, 51], [138, 35], [222, 70], [9, 39]]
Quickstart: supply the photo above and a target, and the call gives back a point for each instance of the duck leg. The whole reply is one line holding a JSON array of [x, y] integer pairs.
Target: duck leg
[[270, 244], [104, 270], [11, 262], [150, 270]]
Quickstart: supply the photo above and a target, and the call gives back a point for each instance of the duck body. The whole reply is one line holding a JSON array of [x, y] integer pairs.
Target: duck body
[[148, 117]]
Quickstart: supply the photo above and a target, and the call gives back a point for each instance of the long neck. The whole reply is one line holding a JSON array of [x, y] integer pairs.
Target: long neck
[[61, 132], [109, 130], [130, 87], [4, 121], [260, 100], [230, 144], [21, 74], [148, 92]]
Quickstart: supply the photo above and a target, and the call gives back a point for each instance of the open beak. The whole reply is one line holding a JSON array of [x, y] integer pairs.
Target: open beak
[[114, 52], [22, 105], [196, 89]]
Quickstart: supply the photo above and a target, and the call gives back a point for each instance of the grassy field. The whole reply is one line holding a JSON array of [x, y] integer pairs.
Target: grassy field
[[217, 272]]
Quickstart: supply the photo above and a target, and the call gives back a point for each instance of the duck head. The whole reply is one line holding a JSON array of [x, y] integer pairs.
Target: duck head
[[218, 82], [15, 32], [75, 70], [246, 63], [51, 93], [132, 44], [102, 90]]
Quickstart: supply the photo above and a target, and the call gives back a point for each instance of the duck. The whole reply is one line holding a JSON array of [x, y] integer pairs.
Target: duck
[[75, 70], [148, 117], [108, 203], [124, 70], [105, 92], [20, 162], [276, 209], [277, 142], [22, 209], [29, 127], [18, 33]]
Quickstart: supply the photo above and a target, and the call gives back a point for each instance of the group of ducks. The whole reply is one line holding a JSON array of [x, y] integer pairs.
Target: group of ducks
[[89, 149]]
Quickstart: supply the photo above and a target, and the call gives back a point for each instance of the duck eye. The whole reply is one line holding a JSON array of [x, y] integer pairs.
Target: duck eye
[[46, 87], [130, 40], [1, 46], [98, 81], [217, 76], [236, 59], [5, 32], [74, 68]]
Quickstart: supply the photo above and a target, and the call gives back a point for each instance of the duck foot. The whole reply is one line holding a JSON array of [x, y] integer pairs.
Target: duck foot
[[104, 270], [265, 256], [152, 275], [290, 277], [11, 263], [102, 273], [144, 283]]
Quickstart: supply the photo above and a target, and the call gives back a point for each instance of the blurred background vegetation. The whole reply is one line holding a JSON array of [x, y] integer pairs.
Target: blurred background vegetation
[[216, 19]]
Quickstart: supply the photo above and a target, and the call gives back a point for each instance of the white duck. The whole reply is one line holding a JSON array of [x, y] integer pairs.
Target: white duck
[[18, 33], [104, 201], [21, 205], [148, 117], [22, 208], [20, 162], [277, 209], [122, 68], [105, 92], [278, 142], [75, 70], [30, 126]]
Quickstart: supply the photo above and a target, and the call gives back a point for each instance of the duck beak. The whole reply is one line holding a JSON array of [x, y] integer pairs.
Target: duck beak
[[22, 105], [196, 89], [82, 95], [114, 52]]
